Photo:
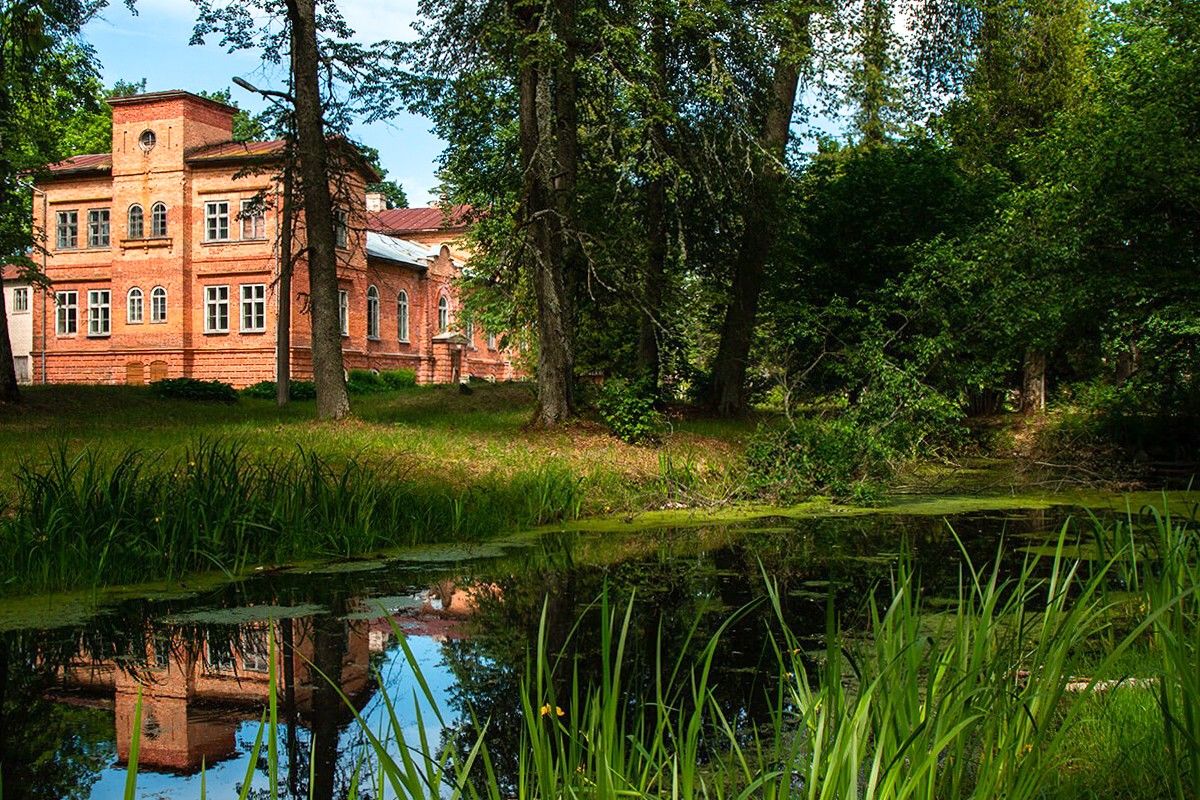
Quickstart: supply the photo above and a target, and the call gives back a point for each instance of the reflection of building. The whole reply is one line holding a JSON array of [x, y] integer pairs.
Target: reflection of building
[[195, 693]]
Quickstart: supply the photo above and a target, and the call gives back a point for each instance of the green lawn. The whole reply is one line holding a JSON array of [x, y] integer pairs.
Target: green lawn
[[434, 433]]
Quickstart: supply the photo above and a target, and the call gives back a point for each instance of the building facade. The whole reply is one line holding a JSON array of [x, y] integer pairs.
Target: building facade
[[18, 303], [163, 257]]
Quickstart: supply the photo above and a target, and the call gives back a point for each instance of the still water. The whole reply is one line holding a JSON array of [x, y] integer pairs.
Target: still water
[[469, 614]]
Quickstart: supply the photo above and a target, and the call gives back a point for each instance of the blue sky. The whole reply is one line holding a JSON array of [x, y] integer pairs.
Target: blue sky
[[154, 45]]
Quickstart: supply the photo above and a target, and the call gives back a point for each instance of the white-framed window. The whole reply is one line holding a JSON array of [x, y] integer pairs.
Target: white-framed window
[[470, 334], [254, 222], [402, 315], [158, 304], [344, 311], [256, 649], [98, 227], [137, 222], [372, 312], [341, 228], [66, 313], [99, 312], [216, 309], [21, 300], [134, 306], [254, 307], [216, 221], [158, 220], [443, 314], [491, 341], [66, 230]]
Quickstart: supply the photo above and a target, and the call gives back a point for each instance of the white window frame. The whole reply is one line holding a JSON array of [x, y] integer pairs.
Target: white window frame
[[257, 221], [402, 316], [158, 212], [491, 340], [372, 312], [443, 314], [66, 230], [216, 221], [253, 307], [135, 306], [66, 313], [216, 308], [20, 300], [99, 228], [155, 294], [135, 227], [99, 310], [469, 332], [344, 311]]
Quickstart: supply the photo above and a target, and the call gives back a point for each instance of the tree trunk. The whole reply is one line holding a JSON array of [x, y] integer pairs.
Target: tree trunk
[[548, 150], [760, 223], [656, 217], [10, 392], [329, 375], [283, 322], [1033, 384]]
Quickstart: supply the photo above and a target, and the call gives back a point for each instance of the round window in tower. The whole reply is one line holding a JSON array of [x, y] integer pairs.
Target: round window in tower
[[146, 140]]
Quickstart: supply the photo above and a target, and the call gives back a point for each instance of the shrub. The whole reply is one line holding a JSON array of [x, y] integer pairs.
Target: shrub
[[297, 390], [817, 456], [627, 408], [365, 381], [193, 389], [399, 378]]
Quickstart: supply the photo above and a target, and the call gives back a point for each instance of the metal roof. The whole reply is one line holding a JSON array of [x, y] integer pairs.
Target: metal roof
[[412, 220], [399, 251]]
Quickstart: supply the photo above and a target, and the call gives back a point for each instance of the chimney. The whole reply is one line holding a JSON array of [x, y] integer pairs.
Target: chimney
[[376, 201]]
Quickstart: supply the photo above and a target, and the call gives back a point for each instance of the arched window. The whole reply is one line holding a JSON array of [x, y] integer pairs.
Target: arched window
[[443, 314], [158, 304], [137, 220], [158, 220], [372, 312], [133, 306], [402, 315]]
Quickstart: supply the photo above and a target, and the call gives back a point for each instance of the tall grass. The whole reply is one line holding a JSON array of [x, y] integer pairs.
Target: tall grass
[[84, 521], [970, 702]]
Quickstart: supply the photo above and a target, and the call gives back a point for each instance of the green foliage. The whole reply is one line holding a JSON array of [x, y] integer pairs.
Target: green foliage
[[399, 378], [220, 507], [365, 381], [297, 390], [194, 389], [817, 456], [627, 408]]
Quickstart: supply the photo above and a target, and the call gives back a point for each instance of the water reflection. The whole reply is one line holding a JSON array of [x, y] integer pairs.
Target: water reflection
[[200, 663]]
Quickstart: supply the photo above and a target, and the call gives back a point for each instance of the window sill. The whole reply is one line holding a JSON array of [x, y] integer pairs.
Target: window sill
[[216, 333], [234, 242], [253, 331], [147, 243], [373, 339], [99, 335]]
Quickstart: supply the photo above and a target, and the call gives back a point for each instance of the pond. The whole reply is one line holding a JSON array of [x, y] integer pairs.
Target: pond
[[198, 656]]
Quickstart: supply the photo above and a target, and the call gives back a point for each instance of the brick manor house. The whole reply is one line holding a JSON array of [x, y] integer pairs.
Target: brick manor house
[[163, 264]]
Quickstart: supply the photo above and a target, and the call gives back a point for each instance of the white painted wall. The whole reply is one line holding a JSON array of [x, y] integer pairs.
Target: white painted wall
[[20, 328]]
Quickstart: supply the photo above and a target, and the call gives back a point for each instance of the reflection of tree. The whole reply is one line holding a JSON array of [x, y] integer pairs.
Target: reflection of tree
[[47, 750]]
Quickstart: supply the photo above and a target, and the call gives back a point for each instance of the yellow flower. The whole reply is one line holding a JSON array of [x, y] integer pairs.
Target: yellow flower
[[558, 712]]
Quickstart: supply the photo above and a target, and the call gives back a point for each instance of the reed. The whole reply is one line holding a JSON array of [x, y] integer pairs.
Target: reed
[[81, 521], [978, 701]]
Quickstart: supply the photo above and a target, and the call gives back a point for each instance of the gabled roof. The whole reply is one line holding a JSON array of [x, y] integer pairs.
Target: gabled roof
[[95, 163], [399, 221], [398, 251]]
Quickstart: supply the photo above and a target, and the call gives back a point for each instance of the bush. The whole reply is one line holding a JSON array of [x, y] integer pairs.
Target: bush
[[365, 381], [193, 389], [627, 408], [817, 456], [399, 378], [297, 390]]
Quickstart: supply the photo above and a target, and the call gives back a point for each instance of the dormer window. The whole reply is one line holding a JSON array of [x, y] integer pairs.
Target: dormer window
[[147, 141]]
